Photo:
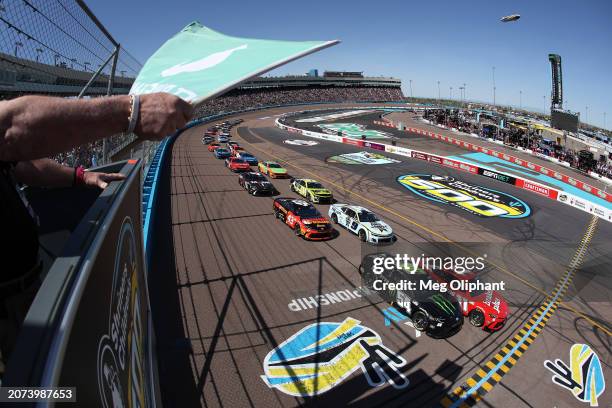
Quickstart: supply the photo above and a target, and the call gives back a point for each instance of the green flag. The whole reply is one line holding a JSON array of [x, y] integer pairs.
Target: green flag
[[199, 63]]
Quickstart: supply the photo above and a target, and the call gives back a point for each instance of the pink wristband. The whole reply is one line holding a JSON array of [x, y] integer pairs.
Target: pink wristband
[[79, 176]]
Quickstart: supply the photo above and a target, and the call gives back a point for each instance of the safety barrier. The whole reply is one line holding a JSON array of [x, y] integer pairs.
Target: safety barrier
[[528, 185], [512, 159]]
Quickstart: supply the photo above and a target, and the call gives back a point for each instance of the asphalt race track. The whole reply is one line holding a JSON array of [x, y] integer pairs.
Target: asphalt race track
[[225, 272]]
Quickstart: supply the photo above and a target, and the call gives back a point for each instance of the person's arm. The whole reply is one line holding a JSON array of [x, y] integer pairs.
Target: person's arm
[[49, 173], [32, 127]]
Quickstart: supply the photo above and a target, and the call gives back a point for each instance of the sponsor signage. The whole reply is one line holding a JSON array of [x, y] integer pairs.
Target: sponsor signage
[[300, 142], [376, 146], [353, 130], [497, 176], [353, 142], [323, 355], [361, 158], [107, 355], [459, 165], [478, 200], [536, 188]]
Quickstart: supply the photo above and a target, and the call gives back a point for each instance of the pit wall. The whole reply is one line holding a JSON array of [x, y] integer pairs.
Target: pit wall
[[532, 186], [540, 169]]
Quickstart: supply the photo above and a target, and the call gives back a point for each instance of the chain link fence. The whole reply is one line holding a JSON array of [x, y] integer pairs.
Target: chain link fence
[[59, 48]]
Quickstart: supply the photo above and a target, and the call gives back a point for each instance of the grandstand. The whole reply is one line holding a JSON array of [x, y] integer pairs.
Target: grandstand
[[20, 76], [333, 86]]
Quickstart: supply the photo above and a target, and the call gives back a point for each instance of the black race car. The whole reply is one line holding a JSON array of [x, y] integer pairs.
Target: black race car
[[436, 313], [256, 184]]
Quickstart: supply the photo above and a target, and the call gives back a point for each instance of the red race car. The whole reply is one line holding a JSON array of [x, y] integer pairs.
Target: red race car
[[213, 146], [301, 216], [235, 164], [483, 308]]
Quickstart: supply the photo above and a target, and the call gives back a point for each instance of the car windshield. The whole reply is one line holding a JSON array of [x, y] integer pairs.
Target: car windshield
[[246, 155], [315, 184], [306, 211], [256, 177], [274, 166], [366, 216]]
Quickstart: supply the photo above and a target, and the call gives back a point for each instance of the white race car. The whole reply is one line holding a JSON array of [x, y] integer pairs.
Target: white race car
[[362, 222]]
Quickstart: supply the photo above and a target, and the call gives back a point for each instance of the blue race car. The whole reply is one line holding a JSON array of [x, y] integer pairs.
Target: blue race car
[[248, 157], [222, 153]]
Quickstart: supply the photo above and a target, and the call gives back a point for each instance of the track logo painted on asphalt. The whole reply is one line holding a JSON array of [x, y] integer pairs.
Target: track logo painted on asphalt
[[478, 200], [322, 355], [361, 158], [301, 142], [353, 130], [584, 377]]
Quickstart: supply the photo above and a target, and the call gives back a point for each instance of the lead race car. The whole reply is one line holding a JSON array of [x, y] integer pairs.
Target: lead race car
[[436, 313], [362, 222], [301, 216]]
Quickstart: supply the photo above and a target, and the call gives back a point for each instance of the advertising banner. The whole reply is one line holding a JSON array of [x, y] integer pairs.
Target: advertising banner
[[497, 176], [106, 356], [198, 63], [536, 188], [376, 146], [353, 142]]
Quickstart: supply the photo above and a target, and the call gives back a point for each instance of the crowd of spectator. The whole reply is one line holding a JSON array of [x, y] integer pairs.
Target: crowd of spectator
[[91, 155], [528, 139], [257, 97]]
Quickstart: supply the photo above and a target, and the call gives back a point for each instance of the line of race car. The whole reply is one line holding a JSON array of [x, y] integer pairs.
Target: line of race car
[[438, 314]]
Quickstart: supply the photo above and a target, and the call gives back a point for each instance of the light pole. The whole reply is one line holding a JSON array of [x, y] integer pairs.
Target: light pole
[[464, 93], [451, 92], [410, 87], [520, 100], [586, 115], [86, 64], [72, 62], [122, 73], [438, 91], [55, 58], [38, 52], [494, 86], [17, 45]]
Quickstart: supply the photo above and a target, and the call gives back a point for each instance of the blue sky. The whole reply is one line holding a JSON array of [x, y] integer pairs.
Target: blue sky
[[426, 41]]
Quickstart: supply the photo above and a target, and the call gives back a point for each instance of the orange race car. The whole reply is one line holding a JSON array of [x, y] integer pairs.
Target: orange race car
[[305, 220]]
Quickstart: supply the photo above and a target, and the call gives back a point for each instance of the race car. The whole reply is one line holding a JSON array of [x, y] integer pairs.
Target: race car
[[272, 169], [235, 164], [222, 153], [256, 184], [210, 132], [362, 222], [483, 308], [248, 157], [235, 149], [232, 143], [312, 190], [222, 138], [436, 313], [213, 146], [207, 139], [305, 220]]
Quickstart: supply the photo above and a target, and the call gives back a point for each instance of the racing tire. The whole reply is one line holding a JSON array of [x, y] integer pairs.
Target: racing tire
[[362, 236], [291, 187], [334, 218], [420, 320], [297, 230], [476, 318]]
